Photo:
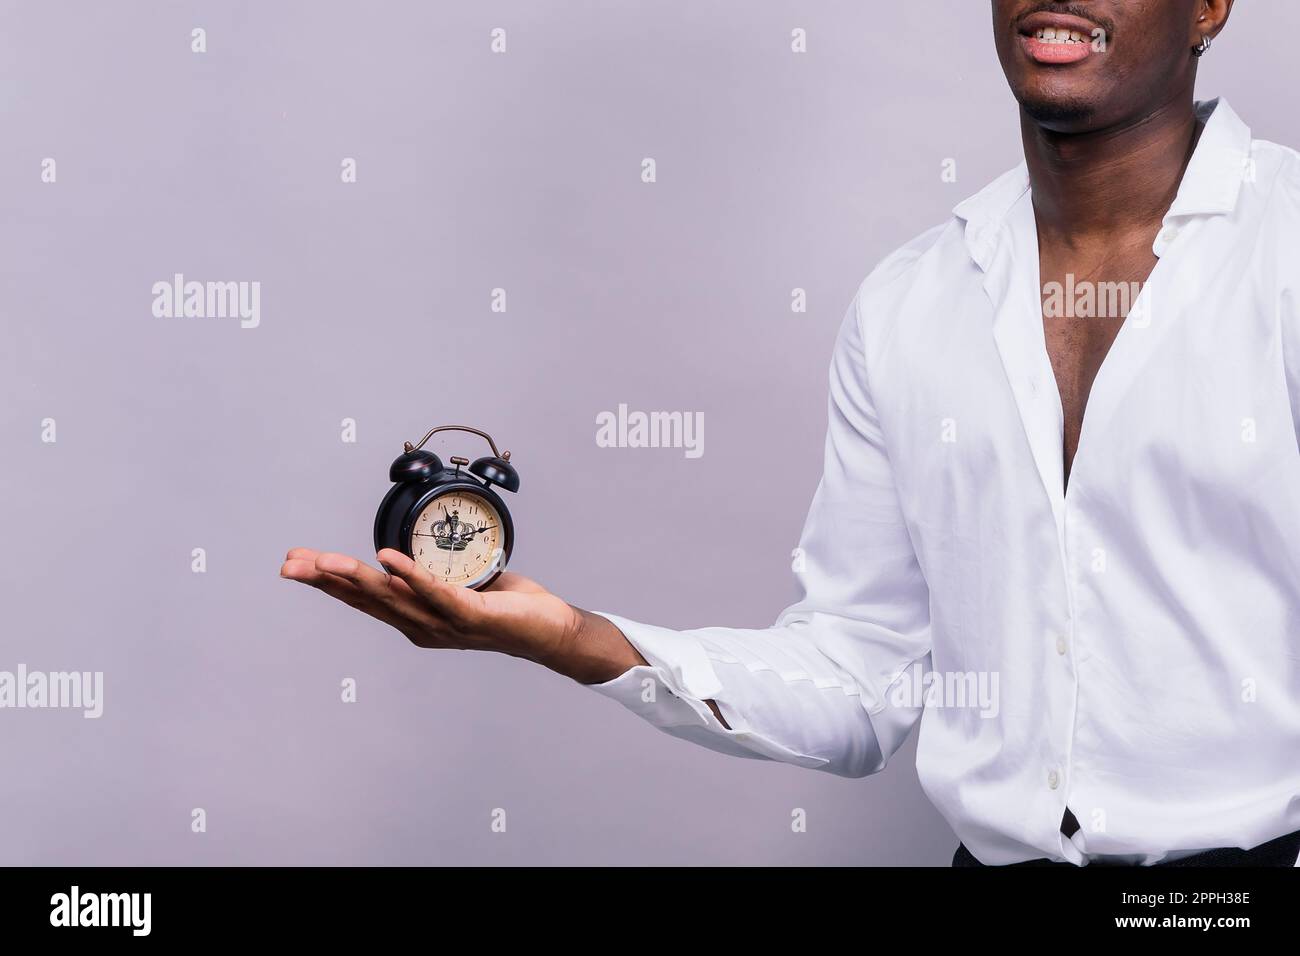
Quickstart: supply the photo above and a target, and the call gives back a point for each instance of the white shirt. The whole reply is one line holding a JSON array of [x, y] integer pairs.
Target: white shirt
[[1129, 649]]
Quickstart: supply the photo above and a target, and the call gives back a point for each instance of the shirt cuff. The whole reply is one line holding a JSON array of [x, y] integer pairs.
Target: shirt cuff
[[642, 690], [670, 692], [672, 689], [685, 667]]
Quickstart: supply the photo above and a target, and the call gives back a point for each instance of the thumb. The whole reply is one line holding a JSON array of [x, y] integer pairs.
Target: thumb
[[455, 604]]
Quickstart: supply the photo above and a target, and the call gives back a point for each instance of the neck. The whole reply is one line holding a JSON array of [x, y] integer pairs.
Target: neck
[[1108, 182]]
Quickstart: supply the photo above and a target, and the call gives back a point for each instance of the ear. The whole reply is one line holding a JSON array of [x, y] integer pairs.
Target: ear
[[1211, 18]]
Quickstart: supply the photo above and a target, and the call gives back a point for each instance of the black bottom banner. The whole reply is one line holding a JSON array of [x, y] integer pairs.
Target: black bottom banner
[[97, 905]]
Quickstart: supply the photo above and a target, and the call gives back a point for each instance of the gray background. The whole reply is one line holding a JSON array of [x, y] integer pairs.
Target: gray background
[[476, 170]]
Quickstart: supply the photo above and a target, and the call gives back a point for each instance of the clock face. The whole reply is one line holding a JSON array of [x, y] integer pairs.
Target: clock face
[[458, 538]]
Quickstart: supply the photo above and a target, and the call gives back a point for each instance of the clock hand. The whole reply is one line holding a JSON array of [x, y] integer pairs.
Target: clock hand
[[451, 551]]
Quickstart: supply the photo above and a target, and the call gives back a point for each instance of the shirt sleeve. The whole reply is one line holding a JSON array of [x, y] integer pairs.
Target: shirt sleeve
[[815, 688]]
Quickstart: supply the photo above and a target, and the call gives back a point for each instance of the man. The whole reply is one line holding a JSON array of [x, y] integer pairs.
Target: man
[[1130, 576]]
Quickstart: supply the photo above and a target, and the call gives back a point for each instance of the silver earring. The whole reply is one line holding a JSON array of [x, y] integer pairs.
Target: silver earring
[[1203, 47]]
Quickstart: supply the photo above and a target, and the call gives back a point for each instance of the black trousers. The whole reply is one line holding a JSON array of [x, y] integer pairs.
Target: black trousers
[[1280, 852]]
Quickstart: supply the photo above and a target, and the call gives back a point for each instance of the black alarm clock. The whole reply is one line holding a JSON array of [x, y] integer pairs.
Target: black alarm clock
[[449, 521]]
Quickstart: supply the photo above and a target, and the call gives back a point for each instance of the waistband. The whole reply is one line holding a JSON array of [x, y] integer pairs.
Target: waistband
[[1280, 852]]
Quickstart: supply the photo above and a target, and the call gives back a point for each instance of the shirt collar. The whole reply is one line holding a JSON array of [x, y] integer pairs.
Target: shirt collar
[[1210, 184], [1218, 166]]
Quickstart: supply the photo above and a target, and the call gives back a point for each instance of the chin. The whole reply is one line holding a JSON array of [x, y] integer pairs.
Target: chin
[[1059, 110]]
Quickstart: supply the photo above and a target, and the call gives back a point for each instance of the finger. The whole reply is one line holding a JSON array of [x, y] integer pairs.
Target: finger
[[348, 593], [355, 597], [374, 585], [357, 572], [300, 565], [455, 603], [403, 591], [400, 608], [305, 571], [300, 569]]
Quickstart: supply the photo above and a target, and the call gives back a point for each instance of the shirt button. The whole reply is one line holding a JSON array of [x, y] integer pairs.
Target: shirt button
[[1060, 646], [1053, 779]]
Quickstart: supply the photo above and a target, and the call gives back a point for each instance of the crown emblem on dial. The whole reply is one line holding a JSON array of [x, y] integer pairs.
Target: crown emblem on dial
[[452, 534]]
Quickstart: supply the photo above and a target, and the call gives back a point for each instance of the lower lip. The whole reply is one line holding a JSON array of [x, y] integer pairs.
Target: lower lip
[[1044, 52]]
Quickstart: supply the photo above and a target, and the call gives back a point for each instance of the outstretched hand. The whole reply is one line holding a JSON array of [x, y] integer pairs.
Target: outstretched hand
[[514, 615]]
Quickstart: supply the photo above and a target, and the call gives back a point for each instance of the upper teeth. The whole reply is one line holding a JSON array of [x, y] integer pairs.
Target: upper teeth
[[1051, 35]]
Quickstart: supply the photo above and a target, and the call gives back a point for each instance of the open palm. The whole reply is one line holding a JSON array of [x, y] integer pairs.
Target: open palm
[[514, 615]]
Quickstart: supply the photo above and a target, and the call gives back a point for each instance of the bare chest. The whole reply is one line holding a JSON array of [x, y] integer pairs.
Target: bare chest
[[1084, 307]]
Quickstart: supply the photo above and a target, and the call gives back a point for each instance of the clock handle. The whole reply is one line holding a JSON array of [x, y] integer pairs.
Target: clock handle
[[503, 455]]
